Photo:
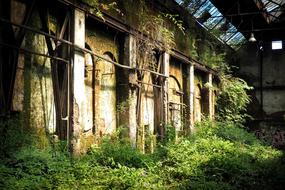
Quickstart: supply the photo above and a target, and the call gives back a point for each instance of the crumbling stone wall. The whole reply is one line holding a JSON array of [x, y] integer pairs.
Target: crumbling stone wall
[[99, 87], [33, 90], [102, 80], [176, 93]]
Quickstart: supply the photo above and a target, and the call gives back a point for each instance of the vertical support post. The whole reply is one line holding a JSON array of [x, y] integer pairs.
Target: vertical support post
[[261, 76], [78, 81], [191, 96], [130, 47], [210, 95], [165, 69]]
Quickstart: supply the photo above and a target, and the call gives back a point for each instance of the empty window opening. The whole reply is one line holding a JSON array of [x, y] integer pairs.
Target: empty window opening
[[276, 45]]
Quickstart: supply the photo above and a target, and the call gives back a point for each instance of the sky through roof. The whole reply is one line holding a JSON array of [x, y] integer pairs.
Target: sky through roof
[[209, 17], [272, 8]]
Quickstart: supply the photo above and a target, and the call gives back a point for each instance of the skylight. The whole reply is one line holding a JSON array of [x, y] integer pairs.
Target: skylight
[[209, 17]]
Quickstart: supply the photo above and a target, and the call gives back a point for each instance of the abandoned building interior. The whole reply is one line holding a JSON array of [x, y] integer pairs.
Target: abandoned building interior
[[79, 74]]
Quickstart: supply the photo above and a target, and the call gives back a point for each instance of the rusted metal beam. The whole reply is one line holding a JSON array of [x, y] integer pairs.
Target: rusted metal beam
[[23, 50], [14, 59], [107, 18], [94, 54], [79, 48], [22, 32], [149, 84], [56, 89]]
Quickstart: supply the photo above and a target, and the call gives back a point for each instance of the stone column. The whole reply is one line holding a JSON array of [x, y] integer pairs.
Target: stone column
[[191, 95], [210, 96], [77, 81], [130, 55], [165, 70]]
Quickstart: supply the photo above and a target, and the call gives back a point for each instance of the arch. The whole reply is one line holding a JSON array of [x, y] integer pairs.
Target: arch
[[89, 81], [176, 80], [174, 87], [109, 55], [107, 94], [197, 103], [175, 103], [147, 113], [89, 61]]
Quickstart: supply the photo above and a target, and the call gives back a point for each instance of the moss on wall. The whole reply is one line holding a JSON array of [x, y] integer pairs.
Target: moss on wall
[[194, 42], [38, 105], [175, 69]]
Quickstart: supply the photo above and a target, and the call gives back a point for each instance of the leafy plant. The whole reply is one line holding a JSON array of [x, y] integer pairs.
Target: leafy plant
[[156, 35], [218, 156], [97, 7], [233, 99]]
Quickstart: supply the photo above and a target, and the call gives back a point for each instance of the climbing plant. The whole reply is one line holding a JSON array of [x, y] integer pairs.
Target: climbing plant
[[156, 34], [96, 7], [233, 99]]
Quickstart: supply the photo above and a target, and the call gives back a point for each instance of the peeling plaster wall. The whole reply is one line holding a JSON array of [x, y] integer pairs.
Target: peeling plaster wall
[[33, 90], [214, 97], [146, 128], [200, 99], [97, 90], [18, 92], [103, 42], [107, 110], [176, 91], [89, 77]]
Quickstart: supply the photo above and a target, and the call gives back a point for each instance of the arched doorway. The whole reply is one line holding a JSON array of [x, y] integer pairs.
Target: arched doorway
[[197, 103], [89, 69], [106, 79], [175, 103], [146, 110]]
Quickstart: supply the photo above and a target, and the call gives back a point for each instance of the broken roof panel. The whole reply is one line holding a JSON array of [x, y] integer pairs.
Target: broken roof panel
[[215, 19], [273, 9], [209, 17], [236, 41], [225, 36]]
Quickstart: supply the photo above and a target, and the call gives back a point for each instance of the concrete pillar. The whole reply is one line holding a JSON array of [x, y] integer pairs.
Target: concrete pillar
[[191, 95], [130, 53], [210, 96], [165, 69], [78, 81]]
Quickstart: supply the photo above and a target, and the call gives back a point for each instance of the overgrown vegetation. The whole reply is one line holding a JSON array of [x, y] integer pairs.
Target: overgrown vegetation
[[217, 156], [96, 7], [233, 99]]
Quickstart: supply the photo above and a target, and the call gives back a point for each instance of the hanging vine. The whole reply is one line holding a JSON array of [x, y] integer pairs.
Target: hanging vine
[[156, 35], [96, 7]]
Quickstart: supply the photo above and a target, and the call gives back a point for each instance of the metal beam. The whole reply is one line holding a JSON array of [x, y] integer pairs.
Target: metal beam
[[23, 50], [77, 47]]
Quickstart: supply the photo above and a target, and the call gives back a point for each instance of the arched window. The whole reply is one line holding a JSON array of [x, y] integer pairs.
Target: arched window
[[89, 115], [197, 103], [175, 103], [107, 93]]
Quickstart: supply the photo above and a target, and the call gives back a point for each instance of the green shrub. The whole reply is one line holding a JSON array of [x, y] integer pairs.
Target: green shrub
[[233, 99], [116, 153], [13, 136], [223, 156], [217, 156]]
